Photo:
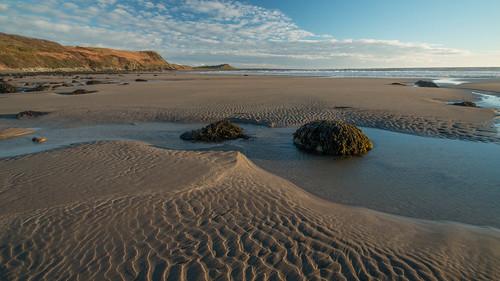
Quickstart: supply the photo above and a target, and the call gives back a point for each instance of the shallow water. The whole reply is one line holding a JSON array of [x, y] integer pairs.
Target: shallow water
[[407, 175], [490, 100]]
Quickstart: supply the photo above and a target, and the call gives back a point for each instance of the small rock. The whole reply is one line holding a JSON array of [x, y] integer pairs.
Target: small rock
[[140, 80], [78, 92], [93, 82], [30, 114], [426, 84], [465, 103], [398, 84], [39, 139], [38, 88]]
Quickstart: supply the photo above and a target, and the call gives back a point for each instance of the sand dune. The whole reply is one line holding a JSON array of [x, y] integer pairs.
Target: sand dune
[[129, 211]]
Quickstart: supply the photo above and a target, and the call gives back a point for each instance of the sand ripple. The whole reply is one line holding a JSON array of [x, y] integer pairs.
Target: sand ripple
[[286, 115], [230, 220]]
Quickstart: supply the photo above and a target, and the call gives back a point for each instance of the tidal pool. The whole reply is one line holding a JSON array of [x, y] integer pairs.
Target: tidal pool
[[421, 177]]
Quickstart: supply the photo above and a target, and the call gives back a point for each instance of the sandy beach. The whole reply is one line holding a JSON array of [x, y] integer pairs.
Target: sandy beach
[[130, 210], [122, 210], [273, 101]]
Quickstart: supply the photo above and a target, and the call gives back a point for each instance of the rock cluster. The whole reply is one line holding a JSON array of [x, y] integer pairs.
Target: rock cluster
[[6, 88]]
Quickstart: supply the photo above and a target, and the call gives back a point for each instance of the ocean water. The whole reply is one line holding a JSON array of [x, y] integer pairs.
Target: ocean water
[[413, 176], [490, 100], [452, 76]]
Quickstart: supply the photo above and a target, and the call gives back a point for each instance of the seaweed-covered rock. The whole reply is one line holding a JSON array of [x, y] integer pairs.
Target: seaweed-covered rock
[[30, 114], [6, 88], [215, 132], [426, 84], [465, 103], [332, 138]]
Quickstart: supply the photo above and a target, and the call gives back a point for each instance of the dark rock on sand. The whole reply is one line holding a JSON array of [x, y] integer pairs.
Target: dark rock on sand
[[465, 103], [6, 88], [141, 80], [398, 84], [94, 82], [78, 92], [332, 138], [215, 132], [426, 84], [39, 139], [38, 88], [30, 114]]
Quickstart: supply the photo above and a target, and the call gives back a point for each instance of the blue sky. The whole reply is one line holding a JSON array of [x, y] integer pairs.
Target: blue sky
[[273, 33]]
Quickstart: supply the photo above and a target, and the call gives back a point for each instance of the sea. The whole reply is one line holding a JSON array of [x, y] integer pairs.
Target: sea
[[441, 75]]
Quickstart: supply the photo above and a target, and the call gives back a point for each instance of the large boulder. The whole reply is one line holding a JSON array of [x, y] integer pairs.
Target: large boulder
[[6, 88], [332, 138], [215, 132], [426, 84]]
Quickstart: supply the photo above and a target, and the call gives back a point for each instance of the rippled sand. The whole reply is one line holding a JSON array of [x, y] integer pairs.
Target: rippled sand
[[126, 210], [273, 101]]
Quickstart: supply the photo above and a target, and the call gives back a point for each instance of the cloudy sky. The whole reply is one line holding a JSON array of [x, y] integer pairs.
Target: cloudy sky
[[273, 33]]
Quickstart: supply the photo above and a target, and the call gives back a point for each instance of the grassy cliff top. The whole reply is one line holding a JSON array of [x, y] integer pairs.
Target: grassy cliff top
[[19, 53]]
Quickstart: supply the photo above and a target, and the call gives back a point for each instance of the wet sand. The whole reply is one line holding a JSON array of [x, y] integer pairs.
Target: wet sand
[[274, 101], [125, 210], [404, 175], [9, 133], [489, 86]]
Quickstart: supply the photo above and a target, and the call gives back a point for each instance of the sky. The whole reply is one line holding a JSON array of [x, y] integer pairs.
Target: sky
[[273, 33]]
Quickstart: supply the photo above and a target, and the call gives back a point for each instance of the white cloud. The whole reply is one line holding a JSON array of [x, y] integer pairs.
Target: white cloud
[[216, 31], [217, 8]]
